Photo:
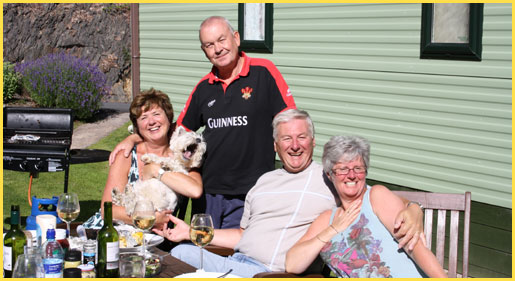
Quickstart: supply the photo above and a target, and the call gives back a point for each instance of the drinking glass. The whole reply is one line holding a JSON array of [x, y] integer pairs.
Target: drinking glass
[[201, 233], [132, 266], [29, 265], [68, 209], [143, 218]]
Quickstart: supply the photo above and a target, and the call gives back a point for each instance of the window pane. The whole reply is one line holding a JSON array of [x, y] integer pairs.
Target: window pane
[[254, 25], [451, 23]]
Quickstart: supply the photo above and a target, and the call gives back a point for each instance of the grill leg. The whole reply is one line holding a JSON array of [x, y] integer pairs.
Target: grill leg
[[66, 169], [66, 179]]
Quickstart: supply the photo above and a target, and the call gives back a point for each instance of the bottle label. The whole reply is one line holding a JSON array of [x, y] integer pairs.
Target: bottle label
[[8, 258], [89, 258], [111, 265], [112, 252], [53, 267]]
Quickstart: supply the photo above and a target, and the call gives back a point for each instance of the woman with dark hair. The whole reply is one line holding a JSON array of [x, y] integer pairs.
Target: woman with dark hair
[[151, 114]]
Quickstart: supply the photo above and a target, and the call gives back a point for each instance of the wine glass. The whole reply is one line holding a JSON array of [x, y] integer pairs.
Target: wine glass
[[68, 209], [132, 266], [201, 233], [143, 218], [29, 265]]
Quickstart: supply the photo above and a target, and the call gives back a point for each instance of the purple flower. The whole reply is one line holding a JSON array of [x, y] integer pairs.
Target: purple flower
[[65, 81]]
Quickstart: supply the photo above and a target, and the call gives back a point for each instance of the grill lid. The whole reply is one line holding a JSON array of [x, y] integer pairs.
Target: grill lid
[[25, 127]]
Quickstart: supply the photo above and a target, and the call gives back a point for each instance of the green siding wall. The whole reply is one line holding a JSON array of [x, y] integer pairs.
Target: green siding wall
[[435, 125]]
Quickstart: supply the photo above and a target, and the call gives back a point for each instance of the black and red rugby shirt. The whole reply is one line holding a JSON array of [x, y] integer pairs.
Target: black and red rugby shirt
[[238, 124]]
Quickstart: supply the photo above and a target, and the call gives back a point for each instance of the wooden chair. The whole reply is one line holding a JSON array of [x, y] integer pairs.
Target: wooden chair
[[443, 202]]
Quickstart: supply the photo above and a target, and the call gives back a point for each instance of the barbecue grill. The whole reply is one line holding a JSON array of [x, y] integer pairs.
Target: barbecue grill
[[38, 140]]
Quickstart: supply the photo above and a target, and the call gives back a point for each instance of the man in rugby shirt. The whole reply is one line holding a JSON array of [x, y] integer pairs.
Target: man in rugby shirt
[[236, 102]]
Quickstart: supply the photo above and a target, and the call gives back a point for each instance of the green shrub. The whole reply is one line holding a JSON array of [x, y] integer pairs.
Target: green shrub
[[64, 81], [11, 81], [114, 9]]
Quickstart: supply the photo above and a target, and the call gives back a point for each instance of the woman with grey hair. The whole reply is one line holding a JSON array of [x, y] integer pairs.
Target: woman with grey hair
[[355, 239]]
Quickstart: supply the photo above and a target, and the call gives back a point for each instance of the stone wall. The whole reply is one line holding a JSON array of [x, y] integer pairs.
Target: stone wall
[[99, 33]]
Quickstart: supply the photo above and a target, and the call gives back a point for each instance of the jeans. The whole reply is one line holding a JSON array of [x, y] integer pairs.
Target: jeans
[[241, 265], [225, 210]]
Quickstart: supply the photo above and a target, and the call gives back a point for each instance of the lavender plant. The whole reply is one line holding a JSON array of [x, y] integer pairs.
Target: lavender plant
[[64, 81]]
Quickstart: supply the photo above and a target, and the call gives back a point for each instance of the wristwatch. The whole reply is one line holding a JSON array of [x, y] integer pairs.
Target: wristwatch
[[416, 203], [160, 173]]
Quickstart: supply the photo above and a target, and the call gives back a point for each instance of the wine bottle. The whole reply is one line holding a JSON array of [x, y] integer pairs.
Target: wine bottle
[[14, 242], [107, 246]]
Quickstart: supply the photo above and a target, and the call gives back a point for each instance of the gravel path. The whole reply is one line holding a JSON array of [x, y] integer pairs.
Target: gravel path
[[90, 133]]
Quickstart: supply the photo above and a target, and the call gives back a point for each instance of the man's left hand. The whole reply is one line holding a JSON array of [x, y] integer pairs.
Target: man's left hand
[[408, 228], [180, 232]]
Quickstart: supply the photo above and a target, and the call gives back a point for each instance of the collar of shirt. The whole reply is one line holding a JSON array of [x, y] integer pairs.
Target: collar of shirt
[[244, 70]]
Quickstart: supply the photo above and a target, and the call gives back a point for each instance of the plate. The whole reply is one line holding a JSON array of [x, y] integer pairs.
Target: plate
[[150, 241], [204, 274]]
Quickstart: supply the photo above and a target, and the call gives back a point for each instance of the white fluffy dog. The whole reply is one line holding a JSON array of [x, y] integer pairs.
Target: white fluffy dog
[[188, 149]]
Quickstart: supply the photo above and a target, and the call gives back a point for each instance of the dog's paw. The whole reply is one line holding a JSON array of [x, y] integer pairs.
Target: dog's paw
[[151, 158], [145, 158], [116, 196]]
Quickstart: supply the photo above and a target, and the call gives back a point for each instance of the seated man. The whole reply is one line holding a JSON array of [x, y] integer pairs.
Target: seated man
[[279, 208]]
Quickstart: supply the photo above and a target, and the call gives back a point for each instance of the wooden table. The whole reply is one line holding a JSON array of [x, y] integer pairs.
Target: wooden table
[[173, 267]]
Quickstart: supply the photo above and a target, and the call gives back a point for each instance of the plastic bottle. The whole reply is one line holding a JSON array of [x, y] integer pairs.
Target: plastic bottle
[[108, 246], [14, 242], [60, 236], [53, 256]]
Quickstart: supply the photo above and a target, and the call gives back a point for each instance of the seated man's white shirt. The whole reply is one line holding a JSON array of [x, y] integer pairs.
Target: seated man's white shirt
[[278, 211]]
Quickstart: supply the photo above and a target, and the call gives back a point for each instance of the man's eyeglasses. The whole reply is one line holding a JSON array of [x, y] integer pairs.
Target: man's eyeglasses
[[345, 171]]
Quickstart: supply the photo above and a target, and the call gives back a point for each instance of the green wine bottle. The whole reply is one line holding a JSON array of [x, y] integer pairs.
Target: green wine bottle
[[107, 246], [14, 242]]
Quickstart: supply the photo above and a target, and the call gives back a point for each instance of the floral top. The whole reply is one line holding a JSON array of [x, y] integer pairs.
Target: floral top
[[134, 172], [366, 249]]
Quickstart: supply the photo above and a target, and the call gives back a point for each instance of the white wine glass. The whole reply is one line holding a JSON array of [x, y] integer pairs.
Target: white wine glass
[[201, 233], [68, 209], [143, 218]]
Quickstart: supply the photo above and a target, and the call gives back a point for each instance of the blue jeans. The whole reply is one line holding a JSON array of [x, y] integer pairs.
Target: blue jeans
[[241, 265], [225, 210]]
